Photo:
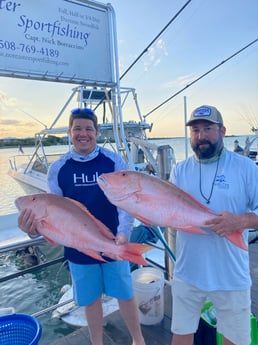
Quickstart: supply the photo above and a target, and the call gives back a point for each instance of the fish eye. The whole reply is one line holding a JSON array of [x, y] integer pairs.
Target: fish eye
[[33, 199], [123, 174]]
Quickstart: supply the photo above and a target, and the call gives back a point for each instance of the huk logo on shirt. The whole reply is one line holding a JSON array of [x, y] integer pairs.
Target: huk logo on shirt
[[85, 179]]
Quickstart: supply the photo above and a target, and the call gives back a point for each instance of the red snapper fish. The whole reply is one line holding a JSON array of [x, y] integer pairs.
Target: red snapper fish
[[157, 202], [67, 222]]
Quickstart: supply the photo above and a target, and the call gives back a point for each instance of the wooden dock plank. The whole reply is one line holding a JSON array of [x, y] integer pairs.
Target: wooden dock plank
[[116, 333]]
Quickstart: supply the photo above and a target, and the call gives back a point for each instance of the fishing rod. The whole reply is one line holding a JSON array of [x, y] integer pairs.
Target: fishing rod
[[159, 234], [32, 117], [149, 45], [202, 76]]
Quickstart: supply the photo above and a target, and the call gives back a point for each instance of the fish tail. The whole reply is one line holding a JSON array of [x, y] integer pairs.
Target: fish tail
[[236, 238], [133, 252]]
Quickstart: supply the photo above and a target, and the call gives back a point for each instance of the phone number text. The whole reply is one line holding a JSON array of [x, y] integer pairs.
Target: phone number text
[[28, 48]]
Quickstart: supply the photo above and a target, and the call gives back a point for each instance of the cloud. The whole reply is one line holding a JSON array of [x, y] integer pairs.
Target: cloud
[[11, 122], [155, 54], [6, 102], [16, 128], [161, 45], [17, 123], [8, 122], [180, 81]]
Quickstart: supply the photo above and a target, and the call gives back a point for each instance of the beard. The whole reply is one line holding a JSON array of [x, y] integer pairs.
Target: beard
[[207, 151]]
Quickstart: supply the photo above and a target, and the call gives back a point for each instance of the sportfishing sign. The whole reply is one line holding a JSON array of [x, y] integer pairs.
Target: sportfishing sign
[[61, 40]]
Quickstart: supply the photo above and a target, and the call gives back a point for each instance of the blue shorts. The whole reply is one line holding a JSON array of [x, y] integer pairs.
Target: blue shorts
[[91, 281]]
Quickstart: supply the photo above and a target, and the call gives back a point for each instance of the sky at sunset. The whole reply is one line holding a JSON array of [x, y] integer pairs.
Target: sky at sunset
[[206, 33]]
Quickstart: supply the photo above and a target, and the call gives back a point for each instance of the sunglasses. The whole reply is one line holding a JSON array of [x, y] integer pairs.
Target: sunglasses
[[81, 111]]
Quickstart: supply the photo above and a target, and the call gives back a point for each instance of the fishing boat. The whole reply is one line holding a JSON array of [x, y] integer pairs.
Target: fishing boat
[[251, 148], [11, 237], [30, 171], [128, 138]]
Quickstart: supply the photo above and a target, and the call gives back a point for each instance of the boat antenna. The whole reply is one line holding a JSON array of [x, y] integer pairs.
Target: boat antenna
[[155, 38], [34, 118], [202, 76], [250, 117]]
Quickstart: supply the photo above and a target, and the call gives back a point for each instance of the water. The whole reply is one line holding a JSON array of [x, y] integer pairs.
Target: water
[[36, 291]]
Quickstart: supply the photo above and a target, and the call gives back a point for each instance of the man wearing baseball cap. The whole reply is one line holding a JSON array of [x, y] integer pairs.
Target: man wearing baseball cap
[[209, 267]]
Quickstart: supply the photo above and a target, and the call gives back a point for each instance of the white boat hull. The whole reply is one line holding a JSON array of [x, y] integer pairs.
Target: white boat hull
[[11, 236], [30, 182]]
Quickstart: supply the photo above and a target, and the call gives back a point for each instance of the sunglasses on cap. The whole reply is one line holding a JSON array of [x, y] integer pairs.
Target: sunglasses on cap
[[81, 111]]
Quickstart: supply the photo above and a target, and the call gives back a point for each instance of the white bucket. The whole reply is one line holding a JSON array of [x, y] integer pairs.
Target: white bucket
[[148, 286]]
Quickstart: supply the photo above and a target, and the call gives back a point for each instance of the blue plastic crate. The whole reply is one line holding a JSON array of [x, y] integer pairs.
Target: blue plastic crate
[[19, 329]]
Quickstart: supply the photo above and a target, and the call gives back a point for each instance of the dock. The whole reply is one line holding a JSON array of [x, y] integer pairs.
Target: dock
[[115, 332]]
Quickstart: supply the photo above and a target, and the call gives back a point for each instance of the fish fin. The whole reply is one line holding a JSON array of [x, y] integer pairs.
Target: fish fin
[[102, 227], [41, 225], [143, 220], [191, 229], [105, 230], [50, 241], [77, 203], [203, 207], [236, 238], [194, 230], [94, 255], [188, 196], [133, 252]]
